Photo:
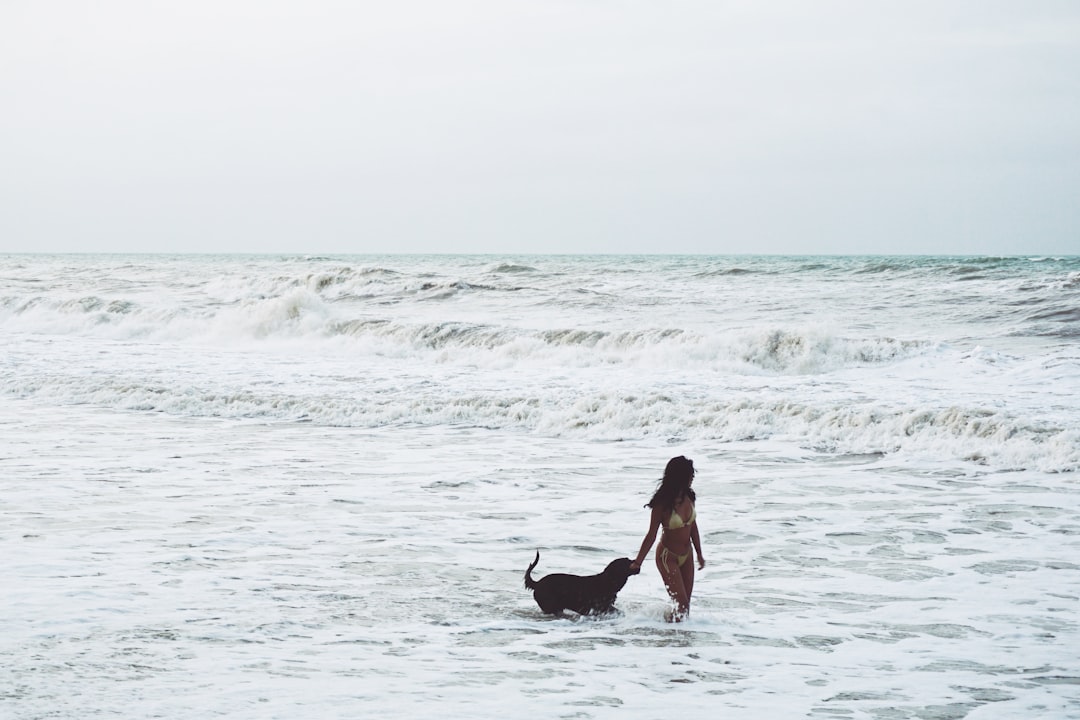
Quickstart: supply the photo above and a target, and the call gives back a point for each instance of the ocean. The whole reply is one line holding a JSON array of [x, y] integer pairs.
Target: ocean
[[308, 487]]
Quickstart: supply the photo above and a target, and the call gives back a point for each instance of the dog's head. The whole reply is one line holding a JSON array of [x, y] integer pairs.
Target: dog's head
[[620, 568]]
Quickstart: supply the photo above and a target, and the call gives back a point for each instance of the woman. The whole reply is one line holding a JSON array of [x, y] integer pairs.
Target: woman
[[673, 510]]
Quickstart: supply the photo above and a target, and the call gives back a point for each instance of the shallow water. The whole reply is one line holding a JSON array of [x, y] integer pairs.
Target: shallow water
[[248, 570]]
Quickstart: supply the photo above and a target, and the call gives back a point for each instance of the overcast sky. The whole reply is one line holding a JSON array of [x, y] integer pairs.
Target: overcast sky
[[914, 126]]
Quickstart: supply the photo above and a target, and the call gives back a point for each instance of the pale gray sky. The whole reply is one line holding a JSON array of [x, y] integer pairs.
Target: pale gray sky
[[844, 126]]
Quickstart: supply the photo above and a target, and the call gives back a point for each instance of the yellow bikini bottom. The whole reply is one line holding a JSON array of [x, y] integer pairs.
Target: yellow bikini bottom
[[665, 554]]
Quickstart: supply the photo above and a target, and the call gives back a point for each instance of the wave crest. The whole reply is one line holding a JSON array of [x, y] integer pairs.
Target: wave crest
[[974, 434]]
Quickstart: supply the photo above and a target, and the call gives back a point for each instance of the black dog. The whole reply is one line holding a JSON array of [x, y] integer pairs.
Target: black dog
[[585, 595]]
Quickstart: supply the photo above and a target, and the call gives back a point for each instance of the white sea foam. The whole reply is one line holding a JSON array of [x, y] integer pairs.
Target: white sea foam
[[950, 417], [169, 566]]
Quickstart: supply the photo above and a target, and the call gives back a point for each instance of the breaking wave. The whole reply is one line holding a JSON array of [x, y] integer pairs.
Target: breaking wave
[[301, 316], [981, 435]]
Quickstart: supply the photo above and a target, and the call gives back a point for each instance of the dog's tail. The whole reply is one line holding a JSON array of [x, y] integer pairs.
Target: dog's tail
[[529, 582]]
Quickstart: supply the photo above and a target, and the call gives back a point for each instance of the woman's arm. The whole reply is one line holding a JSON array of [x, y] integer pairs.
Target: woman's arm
[[650, 538], [696, 539]]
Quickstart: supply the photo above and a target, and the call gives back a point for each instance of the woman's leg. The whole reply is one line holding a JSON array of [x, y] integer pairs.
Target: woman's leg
[[687, 570], [671, 573]]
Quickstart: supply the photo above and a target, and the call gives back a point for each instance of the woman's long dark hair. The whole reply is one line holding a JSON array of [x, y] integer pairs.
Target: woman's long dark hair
[[676, 482]]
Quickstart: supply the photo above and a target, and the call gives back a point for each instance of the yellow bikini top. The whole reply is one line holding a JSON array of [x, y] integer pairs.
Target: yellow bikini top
[[675, 521]]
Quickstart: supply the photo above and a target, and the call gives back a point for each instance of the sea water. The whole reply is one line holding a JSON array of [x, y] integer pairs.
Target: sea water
[[286, 486]]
